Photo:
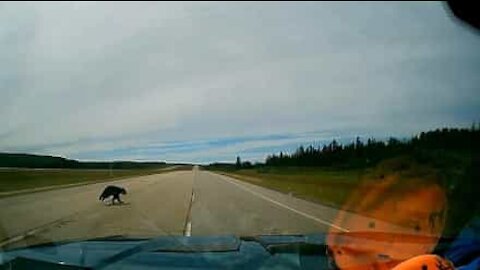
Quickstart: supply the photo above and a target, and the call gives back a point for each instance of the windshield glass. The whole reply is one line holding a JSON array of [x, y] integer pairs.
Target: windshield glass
[[357, 121]]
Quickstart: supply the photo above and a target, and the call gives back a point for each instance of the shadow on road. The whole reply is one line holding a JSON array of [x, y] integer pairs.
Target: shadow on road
[[118, 204]]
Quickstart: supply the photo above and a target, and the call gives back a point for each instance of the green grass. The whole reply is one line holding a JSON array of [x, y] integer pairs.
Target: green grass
[[21, 179], [331, 187]]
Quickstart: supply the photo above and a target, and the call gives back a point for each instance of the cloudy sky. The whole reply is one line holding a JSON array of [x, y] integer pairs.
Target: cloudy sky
[[202, 82]]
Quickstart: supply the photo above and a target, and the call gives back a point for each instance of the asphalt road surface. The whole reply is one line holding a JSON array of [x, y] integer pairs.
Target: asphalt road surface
[[176, 203]]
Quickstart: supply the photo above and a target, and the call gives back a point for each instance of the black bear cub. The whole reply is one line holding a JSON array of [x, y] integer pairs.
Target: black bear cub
[[113, 191]]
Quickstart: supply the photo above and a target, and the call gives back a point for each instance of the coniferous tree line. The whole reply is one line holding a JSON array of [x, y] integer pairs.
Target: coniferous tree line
[[361, 153]]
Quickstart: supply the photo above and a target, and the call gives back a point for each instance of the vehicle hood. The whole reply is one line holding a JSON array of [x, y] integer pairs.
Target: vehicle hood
[[169, 252]]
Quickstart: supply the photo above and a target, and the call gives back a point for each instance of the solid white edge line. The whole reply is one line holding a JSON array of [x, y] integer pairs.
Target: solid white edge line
[[21, 236], [286, 206]]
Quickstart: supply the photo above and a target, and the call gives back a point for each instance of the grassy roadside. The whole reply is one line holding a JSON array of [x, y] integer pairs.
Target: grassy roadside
[[329, 187], [24, 179]]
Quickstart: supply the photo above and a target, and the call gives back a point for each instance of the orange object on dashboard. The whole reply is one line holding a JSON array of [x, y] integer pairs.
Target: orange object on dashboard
[[425, 262], [388, 220]]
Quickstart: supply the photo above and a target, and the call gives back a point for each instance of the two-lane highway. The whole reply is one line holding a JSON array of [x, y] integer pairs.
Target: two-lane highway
[[176, 203]]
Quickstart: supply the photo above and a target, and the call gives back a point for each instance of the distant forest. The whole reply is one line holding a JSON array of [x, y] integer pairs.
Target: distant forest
[[427, 145], [438, 147], [37, 161]]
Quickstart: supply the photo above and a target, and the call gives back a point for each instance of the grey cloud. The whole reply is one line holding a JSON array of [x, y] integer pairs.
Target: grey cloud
[[72, 74]]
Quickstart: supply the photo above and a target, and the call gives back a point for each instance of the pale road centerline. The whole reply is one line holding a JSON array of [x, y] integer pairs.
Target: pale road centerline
[[285, 206], [187, 231]]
